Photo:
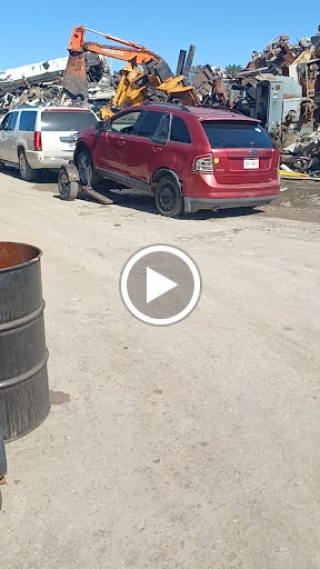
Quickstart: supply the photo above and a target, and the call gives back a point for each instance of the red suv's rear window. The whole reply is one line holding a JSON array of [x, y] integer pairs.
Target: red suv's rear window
[[236, 134]]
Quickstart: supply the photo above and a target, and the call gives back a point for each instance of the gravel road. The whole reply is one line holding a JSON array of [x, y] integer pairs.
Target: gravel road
[[194, 446]]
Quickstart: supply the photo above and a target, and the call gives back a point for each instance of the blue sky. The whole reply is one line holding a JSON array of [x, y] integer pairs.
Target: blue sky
[[224, 32]]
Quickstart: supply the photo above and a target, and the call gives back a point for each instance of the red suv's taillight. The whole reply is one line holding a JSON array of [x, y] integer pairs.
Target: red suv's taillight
[[203, 164], [37, 143]]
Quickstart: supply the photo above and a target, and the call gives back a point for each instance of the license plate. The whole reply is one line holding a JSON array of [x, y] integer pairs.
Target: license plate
[[251, 163]]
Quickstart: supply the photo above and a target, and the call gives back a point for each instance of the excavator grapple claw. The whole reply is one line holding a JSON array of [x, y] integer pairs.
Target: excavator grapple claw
[[75, 82]]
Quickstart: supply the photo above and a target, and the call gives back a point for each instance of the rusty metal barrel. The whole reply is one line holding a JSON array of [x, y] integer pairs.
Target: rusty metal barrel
[[24, 388]]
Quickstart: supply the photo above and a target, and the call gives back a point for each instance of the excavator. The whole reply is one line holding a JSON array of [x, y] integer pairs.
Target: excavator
[[145, 76]]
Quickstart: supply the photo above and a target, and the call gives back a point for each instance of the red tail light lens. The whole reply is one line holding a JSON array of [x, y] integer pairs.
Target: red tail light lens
[[37, 142], [203, 164]]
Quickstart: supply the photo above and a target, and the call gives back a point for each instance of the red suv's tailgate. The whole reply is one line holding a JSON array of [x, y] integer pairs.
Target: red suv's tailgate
[[242, 152]]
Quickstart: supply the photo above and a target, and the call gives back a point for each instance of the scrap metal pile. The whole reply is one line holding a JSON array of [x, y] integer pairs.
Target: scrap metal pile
[[281, 87], [41, 84], [84, 79]]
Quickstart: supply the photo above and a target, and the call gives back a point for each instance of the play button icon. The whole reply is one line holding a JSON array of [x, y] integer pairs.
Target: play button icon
[[160, 285], [157, 285]]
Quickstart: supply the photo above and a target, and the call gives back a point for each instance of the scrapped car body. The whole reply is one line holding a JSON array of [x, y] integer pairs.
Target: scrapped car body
[[189, 158], [39, 138]]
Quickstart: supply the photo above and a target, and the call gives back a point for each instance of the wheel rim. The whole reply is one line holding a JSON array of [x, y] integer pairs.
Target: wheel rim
[[23, 165], [63, 184], [84, 169], [167, 198]]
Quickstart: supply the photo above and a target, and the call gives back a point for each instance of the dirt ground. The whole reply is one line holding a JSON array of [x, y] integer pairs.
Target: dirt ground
[[194, 446]]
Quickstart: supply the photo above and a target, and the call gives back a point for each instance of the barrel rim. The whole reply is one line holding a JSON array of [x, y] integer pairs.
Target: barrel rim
[[26, 263]]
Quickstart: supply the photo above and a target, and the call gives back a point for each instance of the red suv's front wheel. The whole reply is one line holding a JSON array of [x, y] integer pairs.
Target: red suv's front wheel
[[169, 200], [87, 174]]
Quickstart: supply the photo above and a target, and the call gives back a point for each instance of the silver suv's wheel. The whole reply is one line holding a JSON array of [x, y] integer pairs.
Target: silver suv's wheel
[[26, 171]]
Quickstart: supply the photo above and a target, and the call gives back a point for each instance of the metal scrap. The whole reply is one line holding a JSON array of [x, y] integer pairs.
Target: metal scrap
[[212, 86], [293, 89], [41, 84], [280, 86], [303, 155]]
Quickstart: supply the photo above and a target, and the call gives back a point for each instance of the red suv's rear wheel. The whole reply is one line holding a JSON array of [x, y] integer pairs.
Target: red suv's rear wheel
[[169, 200]]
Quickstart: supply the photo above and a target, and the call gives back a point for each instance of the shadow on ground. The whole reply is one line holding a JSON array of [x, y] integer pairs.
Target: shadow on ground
[[135, 200], [47, 180], [297, 201]]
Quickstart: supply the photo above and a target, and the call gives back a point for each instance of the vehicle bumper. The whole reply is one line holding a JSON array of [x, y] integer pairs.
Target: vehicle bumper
[[205, 192], [191, 205], [38, 160]]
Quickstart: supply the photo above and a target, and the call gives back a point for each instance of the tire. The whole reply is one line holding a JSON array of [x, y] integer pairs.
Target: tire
[[169, 200], [1, 165], [26, 172], [3, 457], [68, 190], [87, 174]]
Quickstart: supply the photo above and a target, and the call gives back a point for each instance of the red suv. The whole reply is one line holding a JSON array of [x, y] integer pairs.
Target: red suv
[[188, 158]]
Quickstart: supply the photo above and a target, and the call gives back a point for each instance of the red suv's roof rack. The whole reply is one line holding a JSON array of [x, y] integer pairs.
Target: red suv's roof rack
[[166, 105]]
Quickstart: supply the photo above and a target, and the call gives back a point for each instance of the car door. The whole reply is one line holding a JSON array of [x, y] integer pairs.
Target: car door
[[5, 135], [111, 146], [12, 154], [175, 154], [141, 151]]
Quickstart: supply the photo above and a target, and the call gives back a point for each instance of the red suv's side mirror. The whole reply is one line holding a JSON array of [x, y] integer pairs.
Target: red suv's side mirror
[[100, 125]]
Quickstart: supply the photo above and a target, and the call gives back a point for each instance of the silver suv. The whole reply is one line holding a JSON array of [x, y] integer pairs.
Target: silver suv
[[37, 138]]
